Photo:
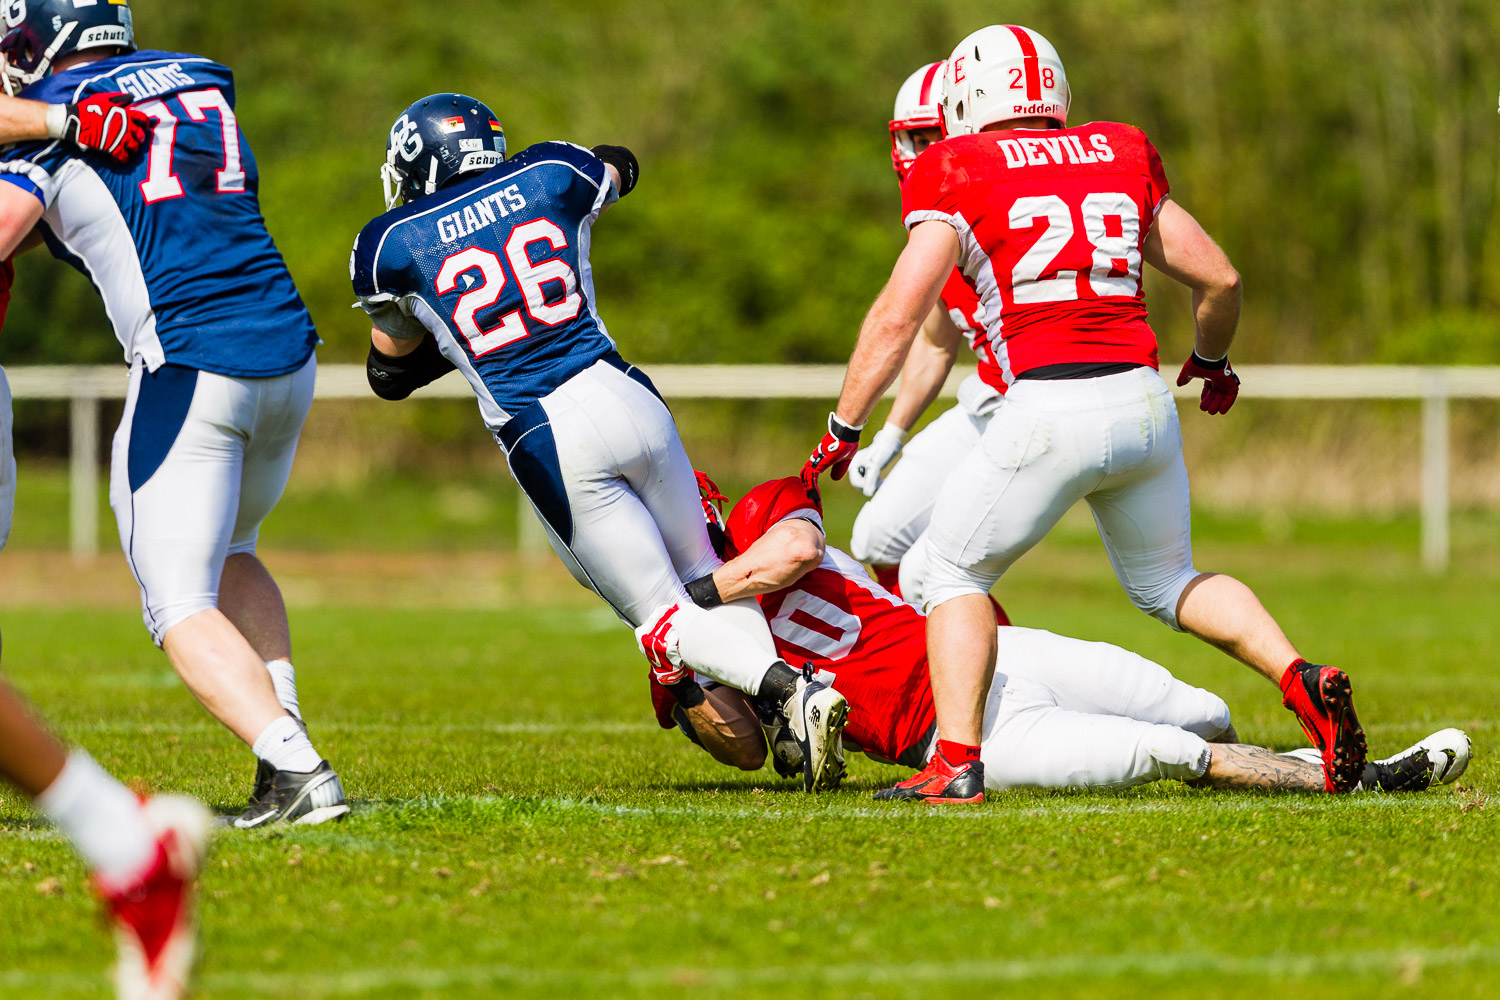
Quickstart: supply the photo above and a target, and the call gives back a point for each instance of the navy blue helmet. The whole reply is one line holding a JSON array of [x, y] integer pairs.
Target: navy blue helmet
[[437, 139], [40, 32]]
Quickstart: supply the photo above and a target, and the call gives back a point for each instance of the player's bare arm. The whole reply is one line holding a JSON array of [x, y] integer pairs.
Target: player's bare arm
[[102, 122], [907, 300], [927, 366], [779, 558], [1241, 766], [928, 363], [885, 340], [1178, 247]]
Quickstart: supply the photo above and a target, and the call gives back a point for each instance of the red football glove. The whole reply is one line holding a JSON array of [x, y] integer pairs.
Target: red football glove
[[834, 452], [1220, 384], [106, 122], [658, 641]]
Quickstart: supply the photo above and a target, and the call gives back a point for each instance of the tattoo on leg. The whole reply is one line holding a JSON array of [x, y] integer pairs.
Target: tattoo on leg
[[1241, 766]]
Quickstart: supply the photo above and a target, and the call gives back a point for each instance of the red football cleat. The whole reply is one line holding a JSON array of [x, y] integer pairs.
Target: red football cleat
[[1324, 703], [154, 918], [940, 783]]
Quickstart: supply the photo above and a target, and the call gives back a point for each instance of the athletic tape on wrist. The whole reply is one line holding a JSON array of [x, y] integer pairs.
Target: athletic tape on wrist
[[704, 592]]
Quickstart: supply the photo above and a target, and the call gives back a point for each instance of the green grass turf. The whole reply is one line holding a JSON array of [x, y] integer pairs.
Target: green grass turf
[[522, 829]]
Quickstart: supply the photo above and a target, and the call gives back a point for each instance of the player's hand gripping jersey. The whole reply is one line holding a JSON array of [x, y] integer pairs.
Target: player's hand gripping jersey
[[175, 243], [1051, 225], [873, 644], [496, 267]]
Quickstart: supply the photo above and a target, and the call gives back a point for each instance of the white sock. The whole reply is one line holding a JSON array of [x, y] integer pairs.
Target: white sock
[[284, 680], [103, 819], [286, 747], [730, 643]]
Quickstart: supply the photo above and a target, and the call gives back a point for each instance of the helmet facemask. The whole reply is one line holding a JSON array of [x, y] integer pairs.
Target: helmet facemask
[[22, 61]]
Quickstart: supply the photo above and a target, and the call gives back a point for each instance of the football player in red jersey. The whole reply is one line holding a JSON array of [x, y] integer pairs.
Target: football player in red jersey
[[1051, 225], [145, 855], [1063, 713], [891, 523]]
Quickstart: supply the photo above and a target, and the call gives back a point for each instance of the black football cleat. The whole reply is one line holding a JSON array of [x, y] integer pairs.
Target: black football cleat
[[298, 798]]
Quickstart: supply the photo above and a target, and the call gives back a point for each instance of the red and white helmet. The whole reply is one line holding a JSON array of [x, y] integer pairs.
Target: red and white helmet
[[1003, 72], [918, 105]]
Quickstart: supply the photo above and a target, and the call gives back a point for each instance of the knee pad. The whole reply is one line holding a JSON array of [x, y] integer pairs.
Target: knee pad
[[1177, 753], [1159, 599]]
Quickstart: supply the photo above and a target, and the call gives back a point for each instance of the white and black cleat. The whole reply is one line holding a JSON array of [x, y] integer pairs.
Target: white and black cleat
[[296, 797], [1439, 759], [815, 714]]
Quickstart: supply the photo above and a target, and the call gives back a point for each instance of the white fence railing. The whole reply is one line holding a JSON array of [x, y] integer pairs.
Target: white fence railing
[[86, 387]]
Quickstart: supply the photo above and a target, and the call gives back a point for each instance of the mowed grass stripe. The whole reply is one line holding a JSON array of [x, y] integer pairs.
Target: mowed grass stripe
[[1080, 966]]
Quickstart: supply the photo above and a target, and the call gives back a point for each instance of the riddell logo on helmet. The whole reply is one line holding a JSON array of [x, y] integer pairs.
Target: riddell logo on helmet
[[1033, 109]]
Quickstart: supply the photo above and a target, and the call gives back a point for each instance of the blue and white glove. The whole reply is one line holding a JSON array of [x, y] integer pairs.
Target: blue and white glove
[[864, 471]]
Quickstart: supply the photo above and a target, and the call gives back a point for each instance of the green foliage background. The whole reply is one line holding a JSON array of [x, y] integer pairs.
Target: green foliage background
[[1344, 153]]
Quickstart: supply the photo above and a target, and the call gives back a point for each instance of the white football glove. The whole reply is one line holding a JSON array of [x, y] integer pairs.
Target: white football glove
[[864, 471]]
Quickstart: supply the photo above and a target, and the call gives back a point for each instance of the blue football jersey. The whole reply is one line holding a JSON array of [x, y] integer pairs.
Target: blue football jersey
[[174, 243], [496, 266]]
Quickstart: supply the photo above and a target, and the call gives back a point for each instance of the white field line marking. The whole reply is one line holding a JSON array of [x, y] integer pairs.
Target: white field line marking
[[1072, 966], [1081, 803], [539, 728]]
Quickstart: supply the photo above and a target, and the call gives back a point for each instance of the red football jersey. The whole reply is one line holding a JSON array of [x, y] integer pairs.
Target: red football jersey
[[865, 641], [872, 643], [1051, 224], [961, 303]]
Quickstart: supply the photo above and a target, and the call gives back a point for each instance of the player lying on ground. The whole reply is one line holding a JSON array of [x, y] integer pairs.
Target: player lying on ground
[[1062, 713], [481, 263], [144, 856], [900, 505], [221, 361], [1052, 227]]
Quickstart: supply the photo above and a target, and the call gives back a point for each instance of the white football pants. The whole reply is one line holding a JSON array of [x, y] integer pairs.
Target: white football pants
[[1065, 713], [198, 462], [7, 462], [601, 462], [1113, 441], [890, 523]]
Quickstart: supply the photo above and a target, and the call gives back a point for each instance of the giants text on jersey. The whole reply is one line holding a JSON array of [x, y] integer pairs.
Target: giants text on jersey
[[175, 242], [1051, 225], [496, 267]]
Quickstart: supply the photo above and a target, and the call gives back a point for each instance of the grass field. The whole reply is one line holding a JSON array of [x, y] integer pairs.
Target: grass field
[[522, 828]]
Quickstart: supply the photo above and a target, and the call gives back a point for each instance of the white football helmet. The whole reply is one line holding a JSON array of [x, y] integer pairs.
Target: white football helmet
[[1003, 72], [918, 105]]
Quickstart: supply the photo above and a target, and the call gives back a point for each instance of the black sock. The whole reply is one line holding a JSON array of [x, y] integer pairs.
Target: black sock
[[780, 683]]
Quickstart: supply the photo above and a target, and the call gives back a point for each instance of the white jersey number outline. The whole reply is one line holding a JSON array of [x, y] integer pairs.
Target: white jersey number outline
[[1109, 252], [530, 278], [161, 183], [820, 643]]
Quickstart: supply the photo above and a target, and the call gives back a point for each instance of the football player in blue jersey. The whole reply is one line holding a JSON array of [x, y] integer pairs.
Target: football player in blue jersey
[[481, 263], [221, 360]]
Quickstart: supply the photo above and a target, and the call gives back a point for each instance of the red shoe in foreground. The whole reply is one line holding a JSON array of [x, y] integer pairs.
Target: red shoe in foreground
[[153, 919], [1324, 703], [940, 783]]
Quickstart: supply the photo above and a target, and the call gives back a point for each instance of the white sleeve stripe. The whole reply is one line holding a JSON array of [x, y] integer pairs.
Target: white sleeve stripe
[[804, 514], [914, 218]]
